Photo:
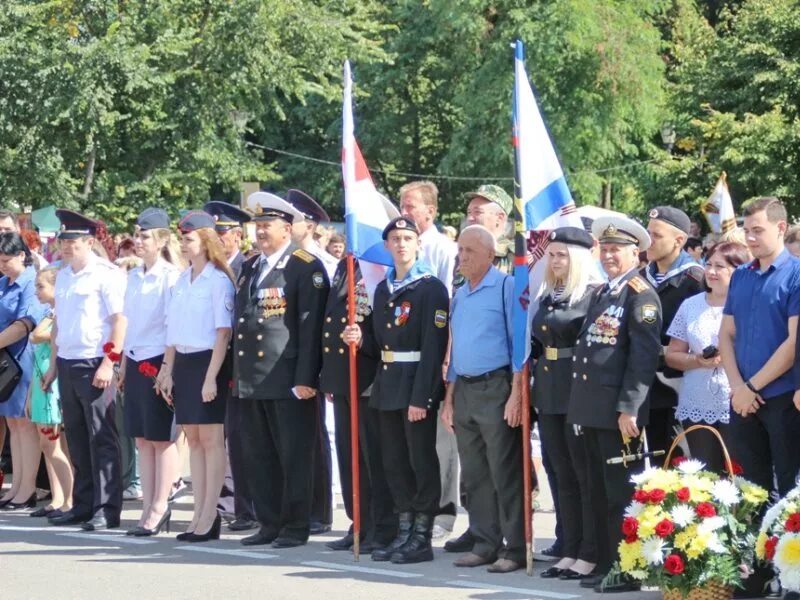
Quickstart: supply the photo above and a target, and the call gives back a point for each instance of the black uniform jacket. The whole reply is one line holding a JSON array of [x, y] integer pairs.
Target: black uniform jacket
[[616, 355], [335, 375], [556, 325], [236, 265], [278, 326], [413, 318], [672, 292]]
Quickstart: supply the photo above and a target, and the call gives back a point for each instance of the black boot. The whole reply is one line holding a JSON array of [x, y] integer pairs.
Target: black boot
[[405, 524], [418, 547]]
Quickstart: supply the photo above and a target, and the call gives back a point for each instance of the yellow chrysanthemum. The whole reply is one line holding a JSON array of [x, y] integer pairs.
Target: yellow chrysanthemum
[[648, 519], [684, 538], [754, 494], [669, 481], [788, 551], [630, 556], [761, 546]]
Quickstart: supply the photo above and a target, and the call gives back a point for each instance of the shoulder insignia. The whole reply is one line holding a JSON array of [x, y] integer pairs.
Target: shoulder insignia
[[440, 318], [318, 280], [649, 313], [303, 255], [637, 284]]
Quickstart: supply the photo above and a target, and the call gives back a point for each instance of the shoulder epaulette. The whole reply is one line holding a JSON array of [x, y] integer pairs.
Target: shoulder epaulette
[[303, 255], [637, 284]]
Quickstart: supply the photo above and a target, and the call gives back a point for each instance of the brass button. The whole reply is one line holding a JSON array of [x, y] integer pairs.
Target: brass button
[[261, 320], [574, 375], [241, 352], [341, 350], [544, 327], [574, 358], [584, 377], [391, 304], [545, 368], [549, 308], [326, 349], [585, 360], [241, 320], [386, 346], [388, 326], [327, 334], [241, 336], [259, 337], [328, 320], [260, 354], [385, 367], [344, 320]]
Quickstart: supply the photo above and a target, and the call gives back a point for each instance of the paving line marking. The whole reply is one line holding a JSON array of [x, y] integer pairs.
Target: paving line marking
[[369, 570], [224, 552], [515, 590], [50, 529], [108, 538]]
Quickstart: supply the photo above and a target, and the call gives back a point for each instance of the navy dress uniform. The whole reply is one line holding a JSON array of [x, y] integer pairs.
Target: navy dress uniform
[[85, 301], [227, 217], [410, 331], [278, 346], [615, 359], [378, 521]]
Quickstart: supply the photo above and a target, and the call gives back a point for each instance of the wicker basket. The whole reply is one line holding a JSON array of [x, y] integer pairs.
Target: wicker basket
[[676, 441], [709, 591]]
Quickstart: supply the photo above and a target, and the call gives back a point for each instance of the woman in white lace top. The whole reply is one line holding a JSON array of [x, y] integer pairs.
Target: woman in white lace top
[[694, 333]]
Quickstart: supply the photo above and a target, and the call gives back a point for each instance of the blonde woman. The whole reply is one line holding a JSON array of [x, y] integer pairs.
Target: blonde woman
[[571, 278], [199, 322]]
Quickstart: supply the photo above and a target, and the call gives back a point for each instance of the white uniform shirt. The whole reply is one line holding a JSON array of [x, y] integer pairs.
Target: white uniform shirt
[[267, 263], [196, 309], [440, 252], [85, 302], [146, 302]]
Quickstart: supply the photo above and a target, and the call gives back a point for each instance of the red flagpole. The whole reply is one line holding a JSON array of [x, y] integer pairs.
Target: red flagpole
[[354, 450], [526, 468]]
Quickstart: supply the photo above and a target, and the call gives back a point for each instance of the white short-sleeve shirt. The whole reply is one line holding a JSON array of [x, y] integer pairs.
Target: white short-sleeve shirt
[[146, 301], [85, 302], [198, 308], [440, 252]]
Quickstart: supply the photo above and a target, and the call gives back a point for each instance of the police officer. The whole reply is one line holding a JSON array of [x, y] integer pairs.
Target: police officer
[[89, 333], [614, 364], [303, 231], [228, 223], [676, 276], [277, 355], [378, 522], [410, 330]]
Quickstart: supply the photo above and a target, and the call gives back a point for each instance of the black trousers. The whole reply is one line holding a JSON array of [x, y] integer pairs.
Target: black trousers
[[570, 461], [279, 439], [659, 430], [378, 521], [410, 461], [89, 422], [768, 440], [322, 485], [552, 481], [704, 445], [611, 491], [242, 502]]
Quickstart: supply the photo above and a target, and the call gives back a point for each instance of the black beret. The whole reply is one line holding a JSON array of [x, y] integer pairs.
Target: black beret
[[674, 216], [74, 225], [402, 223], [195, 219], [574, 236], [153, 218], [307, 205], [226, 215]]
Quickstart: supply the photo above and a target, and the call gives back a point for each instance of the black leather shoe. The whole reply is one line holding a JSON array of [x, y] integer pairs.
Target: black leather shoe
[[405, 524], [591, 582], [259, 538], [43, 512], [99, 523], [68, 518], [287, 542], [463, 543], [317, 528], [570, 575], [242, 525], [552, 573], [418, 547], [29, 503], [344, 543], [615, 583]]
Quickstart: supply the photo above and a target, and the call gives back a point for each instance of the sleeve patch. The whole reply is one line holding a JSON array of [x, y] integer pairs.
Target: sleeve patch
[[303, 255], [637, 284], [318, 280], [440, 318], [649, 313]]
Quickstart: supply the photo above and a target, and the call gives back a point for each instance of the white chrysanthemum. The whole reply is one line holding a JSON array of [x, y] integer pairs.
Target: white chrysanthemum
[[638, 574], [644, 476], [711, 524], [725, 492], [787, 560], [682, 515], [653, 550], [691, 466], [715, 544], [791, 580], [795, 493], [771, 515], [634, 510]]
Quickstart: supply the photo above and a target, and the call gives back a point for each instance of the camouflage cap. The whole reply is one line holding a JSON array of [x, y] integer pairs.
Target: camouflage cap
[[493, 193]]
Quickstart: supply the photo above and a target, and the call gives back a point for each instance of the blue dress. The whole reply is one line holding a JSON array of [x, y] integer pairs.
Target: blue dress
[[17, 301]]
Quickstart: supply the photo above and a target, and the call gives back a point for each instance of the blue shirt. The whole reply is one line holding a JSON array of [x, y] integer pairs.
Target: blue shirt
[[18, 301], [478, 344], [761, 304]]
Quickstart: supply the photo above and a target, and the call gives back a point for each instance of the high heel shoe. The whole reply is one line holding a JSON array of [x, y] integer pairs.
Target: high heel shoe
[[29, 503], [162, 523], [211, 534]]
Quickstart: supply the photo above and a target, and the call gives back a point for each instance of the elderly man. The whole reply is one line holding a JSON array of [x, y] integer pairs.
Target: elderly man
[[483, 403], [615, 362], [228, 223]]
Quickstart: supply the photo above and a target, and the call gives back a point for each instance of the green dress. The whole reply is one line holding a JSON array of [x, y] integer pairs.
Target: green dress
[[45, 406]]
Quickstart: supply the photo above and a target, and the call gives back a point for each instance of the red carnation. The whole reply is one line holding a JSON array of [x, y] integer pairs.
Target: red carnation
[[769, 547], [683, 494], [114, 356], [705, 509], [793, 523], [641, 496], [664, 528], [657, 496], [629, 539], [108, 347], [677, 460], [630, 526], [673, 564], [737, 468]]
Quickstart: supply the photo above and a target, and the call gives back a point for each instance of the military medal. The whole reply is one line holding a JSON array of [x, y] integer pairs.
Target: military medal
[[363, 309], [272, 302]]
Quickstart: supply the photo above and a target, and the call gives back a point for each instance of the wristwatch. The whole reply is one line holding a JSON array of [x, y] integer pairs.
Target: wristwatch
[[751, 387]]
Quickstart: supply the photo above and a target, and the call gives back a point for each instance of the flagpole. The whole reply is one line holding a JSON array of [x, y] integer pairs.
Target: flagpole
[[521, 262], [354, 449]]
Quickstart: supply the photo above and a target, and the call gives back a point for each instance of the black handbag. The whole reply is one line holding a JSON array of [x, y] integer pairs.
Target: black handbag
[[10, 374]]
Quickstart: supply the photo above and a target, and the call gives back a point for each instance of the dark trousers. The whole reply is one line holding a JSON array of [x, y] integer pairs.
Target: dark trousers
[[552, 481], [242, 502], [569, 459], [410, 461], [704, 445], [378, 520], [491, 464], [279, 439], [89, 422], [611, 491], [322, 485], [660, 432], [767, 440]]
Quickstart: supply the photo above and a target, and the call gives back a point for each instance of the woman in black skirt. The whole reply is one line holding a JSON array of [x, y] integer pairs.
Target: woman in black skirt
[[199, 321], [147, 417], [571, 277]]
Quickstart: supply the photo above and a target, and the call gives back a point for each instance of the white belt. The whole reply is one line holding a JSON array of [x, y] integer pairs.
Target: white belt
[[389, 356]]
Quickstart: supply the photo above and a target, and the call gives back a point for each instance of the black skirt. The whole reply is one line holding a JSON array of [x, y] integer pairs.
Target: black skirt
[[188, 376], [146, 414]]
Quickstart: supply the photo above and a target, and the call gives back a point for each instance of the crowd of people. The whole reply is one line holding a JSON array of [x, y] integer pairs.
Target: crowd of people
[[637, 331]]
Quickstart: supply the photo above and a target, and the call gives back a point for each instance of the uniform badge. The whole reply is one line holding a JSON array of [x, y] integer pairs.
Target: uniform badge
[[649, 313], [228, 303], [317, 280], [440, 318], [401, 313]]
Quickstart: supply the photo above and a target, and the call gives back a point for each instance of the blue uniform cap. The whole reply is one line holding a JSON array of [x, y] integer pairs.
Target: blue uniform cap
[[402, 223], [153, 218], [74, 224], [574, 236], [307, 205], [226, 215], [195, 219]]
